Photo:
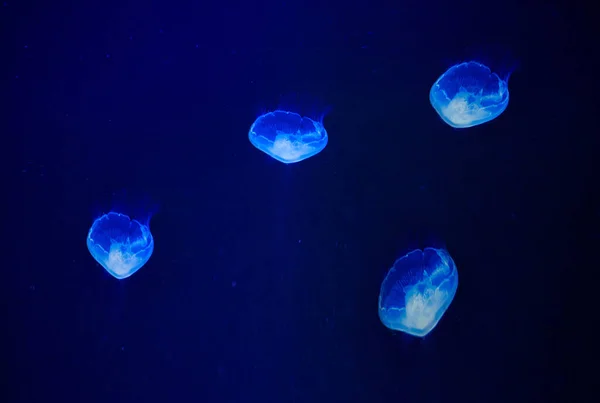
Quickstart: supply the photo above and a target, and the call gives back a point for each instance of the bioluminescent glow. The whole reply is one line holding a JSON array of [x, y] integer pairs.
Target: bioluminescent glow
[[121, 245], [469, 94], [287, 136], [417, 290]]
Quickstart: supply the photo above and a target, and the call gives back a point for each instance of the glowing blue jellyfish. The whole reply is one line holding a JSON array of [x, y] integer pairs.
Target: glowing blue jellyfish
[[121, 245], [469, 94], [287, 136], [417, 290]]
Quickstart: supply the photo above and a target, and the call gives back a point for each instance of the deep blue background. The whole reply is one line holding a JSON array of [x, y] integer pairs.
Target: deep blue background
[[264, 281]]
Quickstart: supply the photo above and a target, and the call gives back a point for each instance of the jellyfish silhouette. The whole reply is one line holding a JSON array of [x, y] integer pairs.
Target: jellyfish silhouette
[[287, 136], [417, 290], [469, 94], [119, 244]]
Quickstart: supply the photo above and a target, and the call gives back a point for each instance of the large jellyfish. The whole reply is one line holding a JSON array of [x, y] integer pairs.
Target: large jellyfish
[[417, 290], [287, 136], [469, 94], [121, 245]]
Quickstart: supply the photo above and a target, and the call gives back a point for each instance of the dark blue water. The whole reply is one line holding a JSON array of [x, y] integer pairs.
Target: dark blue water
[[264, 280]]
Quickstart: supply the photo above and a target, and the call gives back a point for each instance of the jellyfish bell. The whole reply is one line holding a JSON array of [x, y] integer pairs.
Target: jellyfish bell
[[120, 244], [287, 136], [417, 291], [291, 132], [411, 239], [469, 94]]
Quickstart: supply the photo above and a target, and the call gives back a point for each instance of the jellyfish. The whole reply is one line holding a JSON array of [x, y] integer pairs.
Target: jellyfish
[[469, 94], [119, 244], [287, 136], [417, 291]]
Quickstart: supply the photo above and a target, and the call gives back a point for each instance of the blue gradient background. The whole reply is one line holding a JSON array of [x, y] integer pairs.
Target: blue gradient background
[[264, 280]]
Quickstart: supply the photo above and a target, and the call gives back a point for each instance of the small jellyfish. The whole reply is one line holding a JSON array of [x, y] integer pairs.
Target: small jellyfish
[[121, 245], [417, 290], [287, 136], [469, 94]]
